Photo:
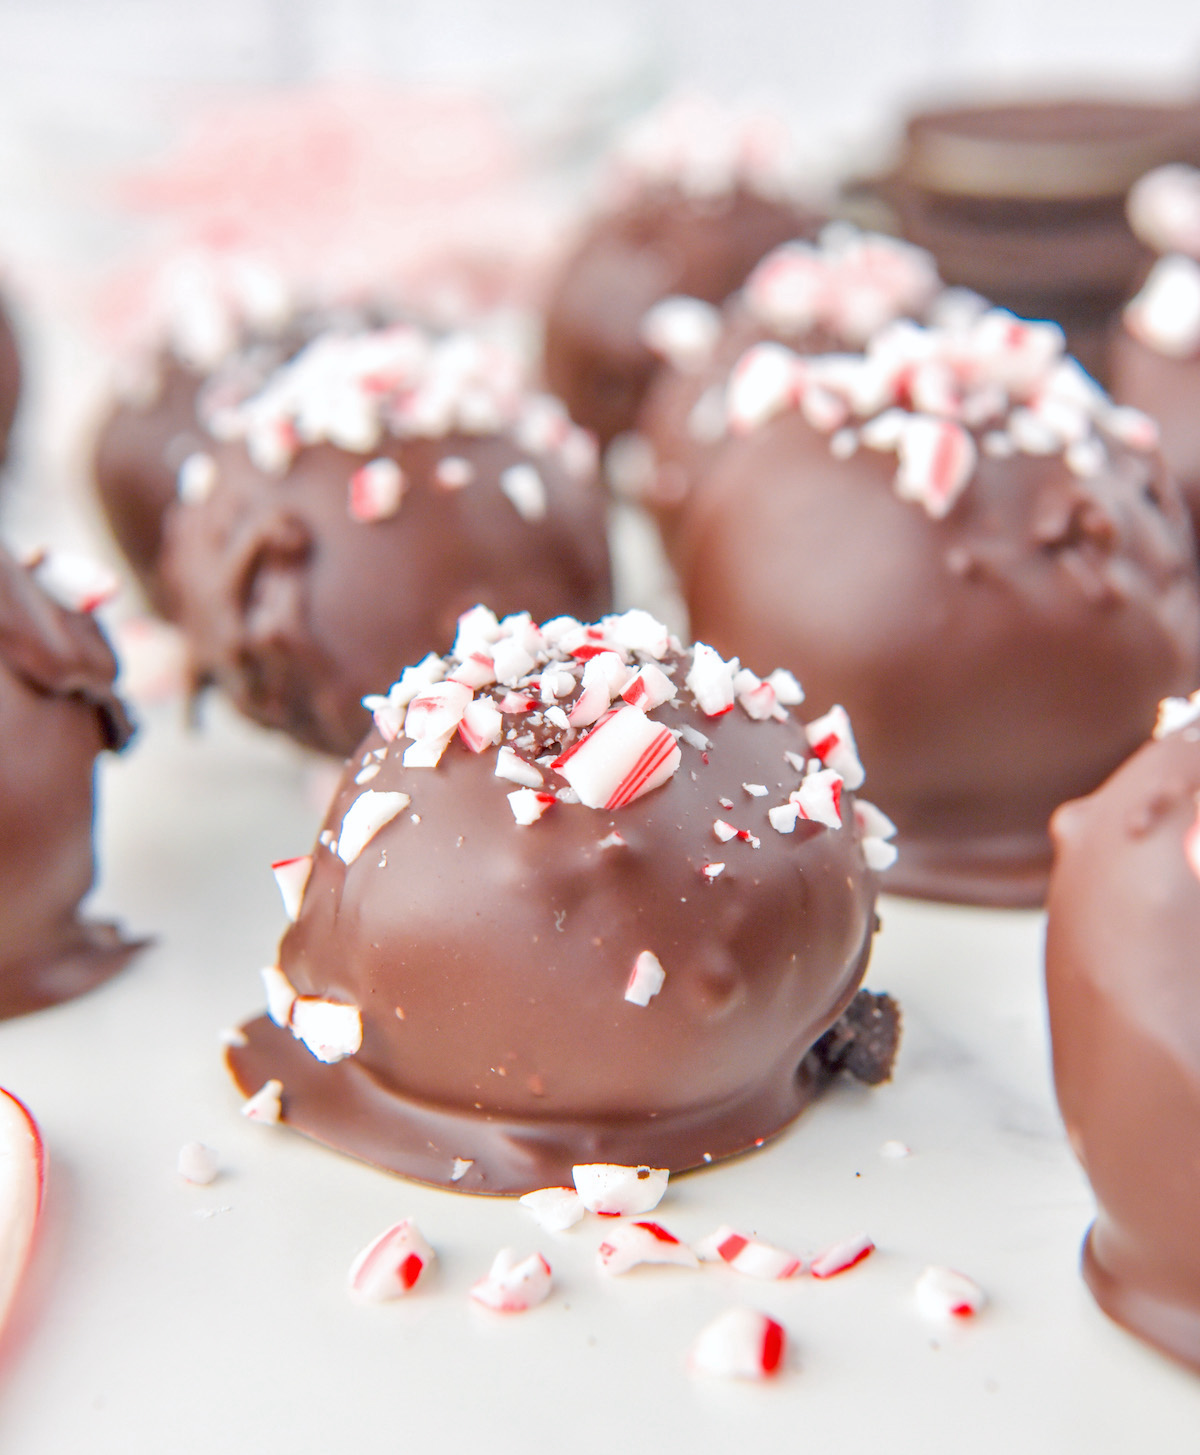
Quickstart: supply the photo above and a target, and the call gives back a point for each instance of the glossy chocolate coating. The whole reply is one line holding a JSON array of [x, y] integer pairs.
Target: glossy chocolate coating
[[57, 712], [1168, 389], [994, 663], [1124, 996], [1025, 203], [296, 610], [663, 242], [490, 962]]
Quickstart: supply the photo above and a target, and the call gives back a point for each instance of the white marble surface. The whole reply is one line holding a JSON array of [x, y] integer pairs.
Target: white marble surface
[[166, 1317]]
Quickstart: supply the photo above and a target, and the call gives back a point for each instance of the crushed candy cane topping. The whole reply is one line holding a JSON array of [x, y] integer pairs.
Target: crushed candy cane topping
[[588, 714], [1164, 209], [943, 1294], [391, 1264], [848, 284], [739, 1344], [354, 389], [928, 394], [1177, 713], [513, 1284], [1165, 315]]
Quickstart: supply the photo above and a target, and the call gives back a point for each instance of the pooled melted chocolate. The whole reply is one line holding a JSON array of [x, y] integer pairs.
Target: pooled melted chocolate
[[1124, 995], [57, 712], [490, 962]]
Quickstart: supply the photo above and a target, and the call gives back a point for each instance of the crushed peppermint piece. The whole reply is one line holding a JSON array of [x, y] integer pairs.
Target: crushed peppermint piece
[[724, 831], [684, 331], [1176, 713], [281, 995], [747, 1255], [375, 490], [462, 1165], [454, 473], [739, 1344], [369, 812], [944, 1293], [623, 757], [555, 1208], [611, 841], [832, 740], [75, 581], [514, 768], [841, 1257], [764, 382], [197, 478], [710, 680], [783, 817], [197, 1164], [646, 979], [513, 1285], [894, 1150], [1163, 208], [1165, 315], [390, 1265], [756, 790], [481, 724], [528, 805], [266, 1105], [629, 1244], [712, 871], [526, 489], [819, 798], [291, 877], [615, 1191], [331, 1030], [937, 459]]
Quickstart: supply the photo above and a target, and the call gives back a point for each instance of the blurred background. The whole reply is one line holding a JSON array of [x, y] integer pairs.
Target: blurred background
[[124, 127]]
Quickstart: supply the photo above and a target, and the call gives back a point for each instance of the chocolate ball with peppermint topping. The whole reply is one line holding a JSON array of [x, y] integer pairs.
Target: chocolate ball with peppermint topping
[[582, 896], [58, 712], [959, 536], [379, 484]]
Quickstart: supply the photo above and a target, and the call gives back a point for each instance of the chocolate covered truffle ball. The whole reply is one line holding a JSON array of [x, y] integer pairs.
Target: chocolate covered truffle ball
[[818, 297], [58, 711], [959, 537], [698, 198], [1124, 994], [380, 484], [1155, 362], [227, 321], [581, 896], [1024, 202]]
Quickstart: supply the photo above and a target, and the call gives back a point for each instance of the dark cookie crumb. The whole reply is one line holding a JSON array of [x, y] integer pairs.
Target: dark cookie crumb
[[863, 1042]]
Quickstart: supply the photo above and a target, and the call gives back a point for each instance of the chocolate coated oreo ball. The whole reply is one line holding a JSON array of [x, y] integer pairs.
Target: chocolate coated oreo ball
[[963, 541], [58, 711], [581, 896], [1124, 996], [380, 484], [698, 199]]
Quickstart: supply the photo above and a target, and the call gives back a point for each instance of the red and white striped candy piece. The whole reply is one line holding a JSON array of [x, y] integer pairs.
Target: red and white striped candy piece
[[739, 1344], [629, 1244], [944, 1294], [266, 1104], [710, 680], [615, 1191], [832, 740], [937, 459], [513, 1285], [555, 1208], [369, 812], [437, 711], [624, 756], [330, 1029], [596, 697], [22, 1185], [764, 382], [291, 875], [376, 489], [197, 1164], [75, 581], [648, 688], [391, 1264], [747, 1255], [476, 669], [819, 798], [840, 1257], [528, 805], [481, 725], [1191, 845], [646, 979], [636, 630], [756, 698]]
